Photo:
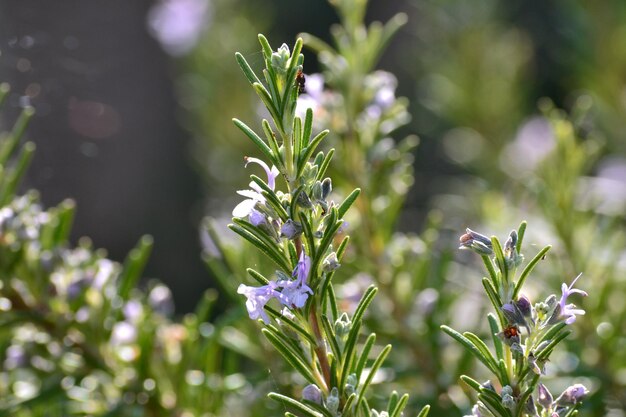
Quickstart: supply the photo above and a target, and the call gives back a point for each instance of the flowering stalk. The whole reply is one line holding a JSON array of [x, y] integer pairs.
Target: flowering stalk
[[301, 230], [524, 335]]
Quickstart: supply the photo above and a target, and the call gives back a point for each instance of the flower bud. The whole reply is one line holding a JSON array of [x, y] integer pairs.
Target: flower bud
[[512, 258], [332, 401], [480, 244], [544, 398], [327, 187], [351, 383], [330, 263], [524, 306], [508, 401], [316, 191], [312, 393], [513, 315], [304, 201], [291, 229], [343, 325], [572, 395], [280, 59]]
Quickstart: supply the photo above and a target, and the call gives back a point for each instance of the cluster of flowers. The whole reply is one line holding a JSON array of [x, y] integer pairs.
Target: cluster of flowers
[[290, 293], [529, 332]]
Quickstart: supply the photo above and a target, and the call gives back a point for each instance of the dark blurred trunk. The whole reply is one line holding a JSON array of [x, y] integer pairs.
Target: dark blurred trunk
[[105, 129]]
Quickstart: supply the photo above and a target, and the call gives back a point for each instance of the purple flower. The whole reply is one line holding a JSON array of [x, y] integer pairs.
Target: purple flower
[[569, 311], [255, 195], [257, 297], [295, 293]]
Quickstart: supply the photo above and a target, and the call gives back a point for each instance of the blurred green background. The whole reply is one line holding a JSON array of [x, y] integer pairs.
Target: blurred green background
[[134, 104]]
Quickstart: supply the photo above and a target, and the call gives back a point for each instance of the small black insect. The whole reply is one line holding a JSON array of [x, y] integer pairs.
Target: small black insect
[[300, 80]]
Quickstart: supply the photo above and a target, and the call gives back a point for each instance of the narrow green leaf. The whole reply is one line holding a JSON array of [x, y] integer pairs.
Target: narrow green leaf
[[521, 231], [308, 234], [308, 127], [472, 383], [247, 70], [424, 411], [255, 139], [347, 203], [494, 405], [318, 407], [309, 150], [134, 265], [375, 367], [268, 242], [317, 44], [348, 357], [267, 49], [273, 144], [278, 259], [470, 347], [492, 272], [325, 163], [257, 276], [365, 352], [503, 373], [545, 352], [484, 350], [394, 397], [365, 301], [552, 332], [297, 138], [349, 402], [494, 297], [521, 404], [290, 356], [497, 343], [390, 29], [397, 411], [334, 310], [295, 326], [10, 143], [529, 268], [330, 336], [295, 54], [497, 248], [23, 161], [65, 218], [294, 404], [267, 100]]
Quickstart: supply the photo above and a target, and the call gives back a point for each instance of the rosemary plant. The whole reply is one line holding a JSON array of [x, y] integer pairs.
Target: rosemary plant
[[524, 334], [301, 229]]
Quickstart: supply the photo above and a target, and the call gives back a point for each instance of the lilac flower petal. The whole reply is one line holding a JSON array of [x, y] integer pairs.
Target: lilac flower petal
[[271, 173], [256, 217], [257, 297], [569, 311], [244, 208]]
